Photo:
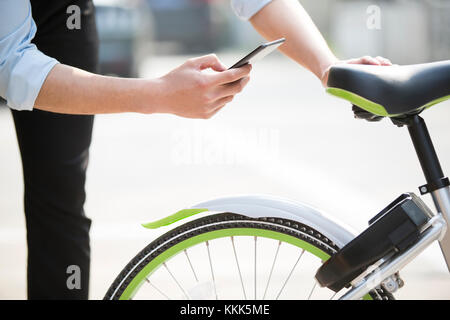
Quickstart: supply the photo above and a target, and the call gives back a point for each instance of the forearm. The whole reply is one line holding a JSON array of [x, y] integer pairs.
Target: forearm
[[304, 43], [74, 91], [185, 91]]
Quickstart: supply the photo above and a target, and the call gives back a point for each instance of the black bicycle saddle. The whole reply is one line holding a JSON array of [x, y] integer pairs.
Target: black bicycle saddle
[[391, 91]]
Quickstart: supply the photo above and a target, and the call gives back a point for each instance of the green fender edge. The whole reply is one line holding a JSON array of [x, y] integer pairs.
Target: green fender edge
[[177, 216]]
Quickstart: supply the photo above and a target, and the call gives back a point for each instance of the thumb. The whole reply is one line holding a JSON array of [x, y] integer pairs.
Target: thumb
[[208, 61]]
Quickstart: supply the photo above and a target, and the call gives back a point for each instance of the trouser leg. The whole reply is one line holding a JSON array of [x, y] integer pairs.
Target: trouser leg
[[55, 152]]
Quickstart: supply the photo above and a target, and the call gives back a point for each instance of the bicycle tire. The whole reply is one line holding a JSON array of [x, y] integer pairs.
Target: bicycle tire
[[217, 226]]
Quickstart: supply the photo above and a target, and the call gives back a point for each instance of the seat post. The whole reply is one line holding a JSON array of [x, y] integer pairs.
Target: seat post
[[426, 153]]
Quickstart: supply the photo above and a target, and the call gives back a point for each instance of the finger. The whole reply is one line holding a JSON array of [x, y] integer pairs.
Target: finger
[[221, 102], [370, 60], [384, 61], [218, 105], [208, 61], [230, 75], [212, 113], [233, 88], [216, 110], [365, 60]]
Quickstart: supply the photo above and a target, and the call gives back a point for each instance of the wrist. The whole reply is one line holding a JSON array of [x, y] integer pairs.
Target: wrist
[[325, 68], [149, 96]]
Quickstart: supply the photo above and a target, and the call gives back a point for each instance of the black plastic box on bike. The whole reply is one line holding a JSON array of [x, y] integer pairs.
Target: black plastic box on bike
[[392, 231]]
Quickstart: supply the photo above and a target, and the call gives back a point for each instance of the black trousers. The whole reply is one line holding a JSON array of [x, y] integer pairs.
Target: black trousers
[[55, 151]]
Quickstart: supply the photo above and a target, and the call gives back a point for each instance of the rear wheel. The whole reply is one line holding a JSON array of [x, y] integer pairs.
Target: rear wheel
[[230, 256]]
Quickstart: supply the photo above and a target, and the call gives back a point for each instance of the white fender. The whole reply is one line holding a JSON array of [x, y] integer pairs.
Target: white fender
[[257, 206]]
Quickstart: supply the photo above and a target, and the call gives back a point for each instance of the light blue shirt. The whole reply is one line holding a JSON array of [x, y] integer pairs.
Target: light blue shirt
[[245, 9], [23, 68]]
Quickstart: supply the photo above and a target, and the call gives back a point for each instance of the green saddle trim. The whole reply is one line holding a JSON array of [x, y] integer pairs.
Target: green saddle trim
[[432, 103], [371, 106], [359, 101]]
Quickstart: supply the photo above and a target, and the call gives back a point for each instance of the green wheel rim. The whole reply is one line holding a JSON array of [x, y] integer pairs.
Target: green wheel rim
[[139, 279]]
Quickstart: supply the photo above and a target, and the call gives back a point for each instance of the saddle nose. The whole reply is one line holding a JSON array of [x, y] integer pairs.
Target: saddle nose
[[391, 90]]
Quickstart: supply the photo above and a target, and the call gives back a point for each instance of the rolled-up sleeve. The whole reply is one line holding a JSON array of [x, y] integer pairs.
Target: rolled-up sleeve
[[245, 9], [23, 68]]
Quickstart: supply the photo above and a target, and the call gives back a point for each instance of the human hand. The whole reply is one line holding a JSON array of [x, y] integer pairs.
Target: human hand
[[188, 92], [377, 61]]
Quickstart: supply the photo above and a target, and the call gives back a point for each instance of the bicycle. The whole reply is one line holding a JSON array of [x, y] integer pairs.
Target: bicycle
[[202, 258]]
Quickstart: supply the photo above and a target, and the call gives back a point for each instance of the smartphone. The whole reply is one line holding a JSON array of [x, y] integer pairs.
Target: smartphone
[[259, 53]]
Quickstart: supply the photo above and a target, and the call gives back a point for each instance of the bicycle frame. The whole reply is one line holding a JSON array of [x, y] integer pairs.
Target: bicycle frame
[[437, 183], [436, 228], [441, 198]]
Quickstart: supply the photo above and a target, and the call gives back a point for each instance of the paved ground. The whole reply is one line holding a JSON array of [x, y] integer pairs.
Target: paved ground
[[281, 136]]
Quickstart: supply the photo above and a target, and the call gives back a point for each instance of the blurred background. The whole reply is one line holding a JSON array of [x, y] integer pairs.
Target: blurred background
[[409, 31], [281, 136]]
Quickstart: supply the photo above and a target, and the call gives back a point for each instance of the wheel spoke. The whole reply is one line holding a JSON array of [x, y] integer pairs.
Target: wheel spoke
[[157, 289], [176, 281], [192, 267], [212, 270], [290, 274], [271, 269], [312, 290], [238, 267]]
